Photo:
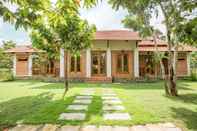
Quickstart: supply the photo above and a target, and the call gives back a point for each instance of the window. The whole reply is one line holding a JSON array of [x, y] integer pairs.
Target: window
[[75, 65], [122, 63]]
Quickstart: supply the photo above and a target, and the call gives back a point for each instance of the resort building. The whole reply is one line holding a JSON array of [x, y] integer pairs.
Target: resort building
[[114, 55]]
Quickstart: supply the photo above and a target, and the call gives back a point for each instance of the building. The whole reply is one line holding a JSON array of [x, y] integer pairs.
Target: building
[[114, 55]]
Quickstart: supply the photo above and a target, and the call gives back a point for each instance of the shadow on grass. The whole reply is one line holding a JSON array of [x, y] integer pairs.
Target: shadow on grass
[[129, 86], [32, 110], [188, 116], [190, 98]]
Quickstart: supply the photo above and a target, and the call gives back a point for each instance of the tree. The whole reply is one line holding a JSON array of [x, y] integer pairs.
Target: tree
[[52, 25], [176, 14], [5, 59], [140, 24]]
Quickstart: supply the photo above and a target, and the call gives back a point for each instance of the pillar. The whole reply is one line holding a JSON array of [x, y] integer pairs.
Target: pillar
[[62, 63], [14, 65], [30, 65], [188, 64], [88, 63], [108, 62], [136, 62]]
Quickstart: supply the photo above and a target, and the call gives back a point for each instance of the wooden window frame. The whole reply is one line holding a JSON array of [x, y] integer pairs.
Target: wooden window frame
[[76, 68], [99, 55], [123, 69]]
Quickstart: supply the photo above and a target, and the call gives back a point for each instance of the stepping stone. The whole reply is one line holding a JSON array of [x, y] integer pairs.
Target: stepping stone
[[111, 94], [49, 127], [84, 97], [153, 127], [69, 128], [139, 128], [89, 128], [110, 98], [25, 128], [77, 107], [121, 128], [82, 101], [113, 108], [173, 129], [105, 128], [117, 116], [168, 124], [17, 128], [72, 116], [112, 102], [87, 94]]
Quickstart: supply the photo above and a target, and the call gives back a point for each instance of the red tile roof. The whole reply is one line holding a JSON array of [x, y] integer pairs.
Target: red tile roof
[[23, 49], [148, 45], [151, 42], [116, 35], [144, 45]]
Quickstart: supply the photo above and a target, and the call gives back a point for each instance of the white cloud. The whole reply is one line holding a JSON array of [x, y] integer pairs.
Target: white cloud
[[103, 16]]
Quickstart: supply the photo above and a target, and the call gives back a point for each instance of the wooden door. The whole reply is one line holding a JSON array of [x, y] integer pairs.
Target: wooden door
[[99, 63]]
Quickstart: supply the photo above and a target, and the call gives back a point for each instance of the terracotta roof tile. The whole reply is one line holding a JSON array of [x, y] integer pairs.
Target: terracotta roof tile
[[116, 35], [151, 42], [23, 49], [162, 46]]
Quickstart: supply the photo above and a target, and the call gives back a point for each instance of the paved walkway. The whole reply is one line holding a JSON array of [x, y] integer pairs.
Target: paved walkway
[[49, 127]]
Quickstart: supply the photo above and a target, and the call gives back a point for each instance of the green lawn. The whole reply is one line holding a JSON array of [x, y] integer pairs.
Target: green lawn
[[35, 102]]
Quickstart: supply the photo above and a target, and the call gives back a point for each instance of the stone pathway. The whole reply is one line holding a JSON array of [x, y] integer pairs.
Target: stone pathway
[[80, 103], [112, 110], [112, 107], [49, 127]]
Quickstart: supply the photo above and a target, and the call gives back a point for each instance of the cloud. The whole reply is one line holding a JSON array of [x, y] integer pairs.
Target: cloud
[[103, 16]]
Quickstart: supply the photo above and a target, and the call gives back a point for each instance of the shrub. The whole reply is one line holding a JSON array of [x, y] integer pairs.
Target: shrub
[[194, 75], [6, 75]]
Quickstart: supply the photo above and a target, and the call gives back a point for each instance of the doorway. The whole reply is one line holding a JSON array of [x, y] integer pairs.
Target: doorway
[[98, 63]]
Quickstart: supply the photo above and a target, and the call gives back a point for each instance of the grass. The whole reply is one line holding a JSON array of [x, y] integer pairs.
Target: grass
[[35, 102]]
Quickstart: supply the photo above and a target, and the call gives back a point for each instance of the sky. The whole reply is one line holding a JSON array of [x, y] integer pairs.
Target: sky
[[102, 15]]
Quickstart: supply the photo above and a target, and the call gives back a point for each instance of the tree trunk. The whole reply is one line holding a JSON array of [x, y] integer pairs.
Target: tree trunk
[[162, 69], [66, 86], [165, 77], [172, 76]]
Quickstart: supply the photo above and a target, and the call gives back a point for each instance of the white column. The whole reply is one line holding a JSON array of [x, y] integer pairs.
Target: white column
[[188, 64], [30, 65], [136, 62], [88, 63], [62, 63], [14, 65], [108, 62]]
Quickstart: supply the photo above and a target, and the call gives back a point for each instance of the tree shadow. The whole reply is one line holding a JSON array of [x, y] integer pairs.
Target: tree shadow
[[188, 116], [186, 98], [37, 109], [50, 86]]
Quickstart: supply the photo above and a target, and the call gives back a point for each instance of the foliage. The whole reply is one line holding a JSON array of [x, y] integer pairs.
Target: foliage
[[176, 14], [5, 59], [193, 60], [194, 75], [6, 75]]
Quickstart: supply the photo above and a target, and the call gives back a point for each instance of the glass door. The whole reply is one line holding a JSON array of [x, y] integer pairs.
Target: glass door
[[99, 63]]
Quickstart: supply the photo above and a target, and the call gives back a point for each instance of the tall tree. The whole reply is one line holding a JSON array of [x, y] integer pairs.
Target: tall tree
[[176, 14], [52, 24]]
